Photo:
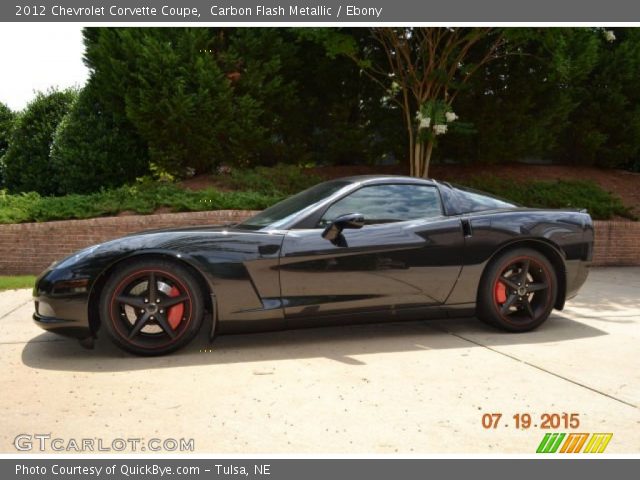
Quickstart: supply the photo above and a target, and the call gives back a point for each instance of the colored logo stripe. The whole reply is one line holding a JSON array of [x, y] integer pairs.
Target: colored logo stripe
[[598, 442], [550, 443], [574, 442]]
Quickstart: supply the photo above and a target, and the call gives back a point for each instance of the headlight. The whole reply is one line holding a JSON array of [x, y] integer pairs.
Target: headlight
[[76, 257], [71, 286]]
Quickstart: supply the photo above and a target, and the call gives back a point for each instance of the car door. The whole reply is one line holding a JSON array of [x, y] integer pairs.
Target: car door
[[408, 255]]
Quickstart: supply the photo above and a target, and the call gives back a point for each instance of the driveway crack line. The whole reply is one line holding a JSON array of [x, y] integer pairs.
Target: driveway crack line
[[15, 309], [53, 340], [542, 369]]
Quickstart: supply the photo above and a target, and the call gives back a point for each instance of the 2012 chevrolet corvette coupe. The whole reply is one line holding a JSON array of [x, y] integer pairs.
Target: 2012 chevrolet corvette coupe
[[366, 248]]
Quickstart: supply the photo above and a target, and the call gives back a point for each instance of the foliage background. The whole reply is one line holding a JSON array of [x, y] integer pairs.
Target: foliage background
[[170, 103]]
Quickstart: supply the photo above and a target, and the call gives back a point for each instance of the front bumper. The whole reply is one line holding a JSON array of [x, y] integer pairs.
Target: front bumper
[[62, 327], [61, 307]]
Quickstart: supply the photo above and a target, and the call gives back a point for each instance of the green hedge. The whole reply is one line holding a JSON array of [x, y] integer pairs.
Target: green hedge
[[147, 197], [142, 199], [287, 179], [601, 204]]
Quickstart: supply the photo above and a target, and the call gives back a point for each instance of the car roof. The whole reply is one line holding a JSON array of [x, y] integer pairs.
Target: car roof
[[373, 179]]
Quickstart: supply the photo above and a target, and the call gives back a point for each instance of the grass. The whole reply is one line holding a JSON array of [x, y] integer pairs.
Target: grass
[[261, 187], [12, 283]]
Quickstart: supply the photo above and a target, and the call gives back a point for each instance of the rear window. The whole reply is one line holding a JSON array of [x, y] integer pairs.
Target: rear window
[[470, 200]]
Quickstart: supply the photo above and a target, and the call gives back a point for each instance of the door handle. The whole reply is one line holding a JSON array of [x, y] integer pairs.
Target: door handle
[[466, 228]]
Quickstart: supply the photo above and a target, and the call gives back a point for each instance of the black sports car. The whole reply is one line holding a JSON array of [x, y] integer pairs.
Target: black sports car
[[366, 248]]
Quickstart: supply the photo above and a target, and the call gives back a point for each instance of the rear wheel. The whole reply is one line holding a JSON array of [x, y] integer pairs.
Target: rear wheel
[[151, 307], [517, 291]]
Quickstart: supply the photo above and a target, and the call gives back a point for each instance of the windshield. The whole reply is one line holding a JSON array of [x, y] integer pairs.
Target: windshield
[[283, 211]]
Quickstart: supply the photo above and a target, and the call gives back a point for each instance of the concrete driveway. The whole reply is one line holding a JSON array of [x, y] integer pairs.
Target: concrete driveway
[[419, 387]]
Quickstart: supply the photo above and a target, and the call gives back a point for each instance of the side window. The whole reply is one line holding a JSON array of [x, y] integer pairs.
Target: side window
[[388, 203]]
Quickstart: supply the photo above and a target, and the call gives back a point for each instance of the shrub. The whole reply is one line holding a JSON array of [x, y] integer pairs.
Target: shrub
[[278, 180], [27, 166], [94, 149], [142, 198], [7, 118], [556, 194], [146, 197]]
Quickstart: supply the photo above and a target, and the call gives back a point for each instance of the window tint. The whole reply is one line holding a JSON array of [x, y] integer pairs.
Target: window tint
[[474, 201], [388, 203]]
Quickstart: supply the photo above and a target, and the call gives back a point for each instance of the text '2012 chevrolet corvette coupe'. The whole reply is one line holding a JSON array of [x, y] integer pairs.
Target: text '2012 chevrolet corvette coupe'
[[367, 248]]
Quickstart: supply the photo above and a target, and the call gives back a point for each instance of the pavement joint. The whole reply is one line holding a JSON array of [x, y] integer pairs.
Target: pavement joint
[[15, 309], [53, 340], [542, 369]]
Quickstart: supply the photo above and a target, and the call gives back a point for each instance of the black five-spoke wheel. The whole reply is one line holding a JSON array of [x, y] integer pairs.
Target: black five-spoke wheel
[[518, 290], [151, 307]]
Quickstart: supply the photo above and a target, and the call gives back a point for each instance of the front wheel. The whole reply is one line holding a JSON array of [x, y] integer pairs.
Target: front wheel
[[517, 291], [151, 307]]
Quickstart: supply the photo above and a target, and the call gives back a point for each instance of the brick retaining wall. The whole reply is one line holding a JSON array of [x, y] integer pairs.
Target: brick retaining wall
[[616, 243], [28, 248]]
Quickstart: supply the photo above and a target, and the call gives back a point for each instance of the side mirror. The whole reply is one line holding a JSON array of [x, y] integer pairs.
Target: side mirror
[[349, 220]]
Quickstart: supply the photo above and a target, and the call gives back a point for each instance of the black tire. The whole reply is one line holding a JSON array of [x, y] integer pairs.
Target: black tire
[[518, 290], [151, 321]]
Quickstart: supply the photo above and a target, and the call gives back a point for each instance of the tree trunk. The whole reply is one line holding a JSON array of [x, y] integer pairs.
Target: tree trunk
[[427, 160], [412, 156], [417, 159], [412, 142]]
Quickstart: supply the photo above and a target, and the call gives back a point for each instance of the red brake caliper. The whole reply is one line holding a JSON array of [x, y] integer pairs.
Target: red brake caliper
[[500, 292], [176, 312]]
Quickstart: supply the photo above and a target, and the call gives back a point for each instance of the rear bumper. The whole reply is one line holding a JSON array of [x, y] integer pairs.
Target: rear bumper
[[577, 272]]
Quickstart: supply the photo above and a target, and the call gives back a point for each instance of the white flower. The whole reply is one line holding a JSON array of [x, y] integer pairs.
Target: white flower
[[439, 129], [425, 122], [609, 36], [451, 117]]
